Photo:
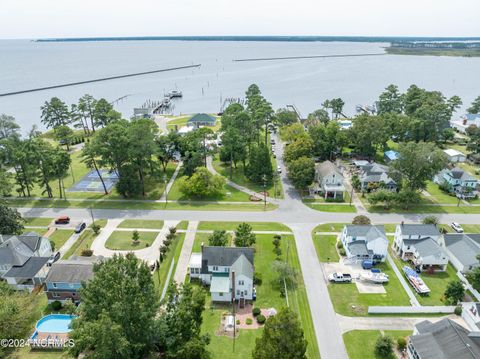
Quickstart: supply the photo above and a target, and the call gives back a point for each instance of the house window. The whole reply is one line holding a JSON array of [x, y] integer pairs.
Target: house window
[[220, 294], [215, 268], [227, 270], [246, 292], [238, 292], [241, 282], [54, 285]]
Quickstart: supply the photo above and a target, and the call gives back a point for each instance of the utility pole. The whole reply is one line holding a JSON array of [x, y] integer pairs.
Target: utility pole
[[91, 215]]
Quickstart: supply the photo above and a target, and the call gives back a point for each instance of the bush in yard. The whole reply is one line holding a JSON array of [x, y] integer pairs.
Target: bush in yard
[[136, 237], [172, 230], [52, 244], [256, 311], [257, 278], [86, 252], [249, 321], [361, 219], [56, 305], [454, 292], [401, 343], [430, 220], [170, 236], [342, 252], [458, 310], [202, 184], [238, 321], [339, 245], [261, 319], [384, 347], [95, 228]]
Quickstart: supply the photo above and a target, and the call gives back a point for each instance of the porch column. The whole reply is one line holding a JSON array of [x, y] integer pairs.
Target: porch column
[[335, 195]]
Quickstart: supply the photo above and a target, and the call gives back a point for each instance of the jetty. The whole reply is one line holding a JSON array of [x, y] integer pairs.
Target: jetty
[[98, 80], [306, 57], [229, 101]]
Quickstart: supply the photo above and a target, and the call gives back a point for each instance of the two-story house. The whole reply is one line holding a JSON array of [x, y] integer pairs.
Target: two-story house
[[66, 277], [227, 270], [364, 242], [373, 176], [458, 181], [23, 260], [422, 244], [465, 121], [329, 180]]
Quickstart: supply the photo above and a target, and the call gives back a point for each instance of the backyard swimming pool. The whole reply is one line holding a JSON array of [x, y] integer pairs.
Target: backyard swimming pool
[[55, 323]]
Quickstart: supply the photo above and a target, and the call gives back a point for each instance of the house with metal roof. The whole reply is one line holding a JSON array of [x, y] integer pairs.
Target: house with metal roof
[[66, 277], [465, 121], [364, 242], [202, 119], [459, 182], [329, 180], [455, 156], [421, 244], [463, 249], [23, 260], [390, 156], [227, 270], [444, 339], [373, 176]]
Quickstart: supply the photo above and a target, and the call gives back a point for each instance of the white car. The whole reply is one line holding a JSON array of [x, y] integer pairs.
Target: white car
[[457, 227], [279, 170]]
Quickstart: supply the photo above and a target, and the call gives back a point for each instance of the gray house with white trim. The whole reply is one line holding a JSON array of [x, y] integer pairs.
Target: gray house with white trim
[[463, 249], [363, 242]]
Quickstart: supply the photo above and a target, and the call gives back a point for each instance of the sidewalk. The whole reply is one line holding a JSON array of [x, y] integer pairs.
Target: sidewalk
[[413, 300], [184, 257], [170, 183]]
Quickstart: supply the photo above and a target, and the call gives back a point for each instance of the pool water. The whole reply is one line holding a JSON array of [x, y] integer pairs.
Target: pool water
[[55, 323]]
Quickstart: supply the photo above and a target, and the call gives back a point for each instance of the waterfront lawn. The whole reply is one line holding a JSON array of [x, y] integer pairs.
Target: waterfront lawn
[[325, 245], [238, 176], [84, 242], [59, 237], [37, 222], [328, 207], [360, 344], [141, 223], [256, 226], [228, 194], [348, 301], [177, 121], [160, 276], [122, 240]]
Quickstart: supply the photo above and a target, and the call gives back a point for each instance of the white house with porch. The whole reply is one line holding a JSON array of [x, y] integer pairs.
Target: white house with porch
[[329, 180], [422, 244], [362, 242], [227, 270]]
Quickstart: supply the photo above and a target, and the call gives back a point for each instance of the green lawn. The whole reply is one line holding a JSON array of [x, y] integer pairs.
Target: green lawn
[[179, 122], [122, 240], [327, 207], [338, 227], [439, 196], [141, 223], [348, 301], [472, 169], [325, 247], [60, 236], [239, 178], [268, 295], [463, 208], [203, 237], [37, 221], [160, 276], [84, 242], [182, 225], [100, 222], [256, 226], [360, 344], [471, 228]]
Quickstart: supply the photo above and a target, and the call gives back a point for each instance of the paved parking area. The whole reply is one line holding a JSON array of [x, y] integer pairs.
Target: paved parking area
[[356, 272]]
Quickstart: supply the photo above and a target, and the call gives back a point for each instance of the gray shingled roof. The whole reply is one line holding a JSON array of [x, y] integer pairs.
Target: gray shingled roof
[[358, 248], [424, 230], [68, 271], [28, 270], [463, 247], [223, 256], [427, 247], [243, 266], [445, 340], [326, 168], [365, 230], [31, 240]]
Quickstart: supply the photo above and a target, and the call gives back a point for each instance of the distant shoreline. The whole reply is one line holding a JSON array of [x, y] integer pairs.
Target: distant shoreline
[[262, 38]]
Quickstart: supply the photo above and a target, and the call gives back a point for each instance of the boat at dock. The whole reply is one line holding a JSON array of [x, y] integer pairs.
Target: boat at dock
[[174, 94]]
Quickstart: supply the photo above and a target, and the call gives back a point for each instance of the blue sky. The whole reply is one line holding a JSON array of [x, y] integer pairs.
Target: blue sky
[[78, 18]]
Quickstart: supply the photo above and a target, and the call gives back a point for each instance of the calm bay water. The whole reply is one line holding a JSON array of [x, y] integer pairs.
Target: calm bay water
[[303, 82]]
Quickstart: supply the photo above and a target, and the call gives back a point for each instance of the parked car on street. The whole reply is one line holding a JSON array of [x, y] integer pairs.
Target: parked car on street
[[80, 227], [457, 227], [54, 257], [340, 278], [62, 220]]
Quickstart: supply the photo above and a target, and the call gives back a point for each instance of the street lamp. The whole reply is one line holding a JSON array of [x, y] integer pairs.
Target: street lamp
[[165, 182]]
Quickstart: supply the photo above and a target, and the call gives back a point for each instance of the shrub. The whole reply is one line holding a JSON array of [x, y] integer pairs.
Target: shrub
[[249, 321], [339, 245], [56, 305], [52, 244], [238, 321], [342, 252], [256, 311], [430, 220], [361, 219], [401, 343], [384, 347], [458, 310], [95, 228], [86, 252], [261, 319], [257, 278], [172, 230], [170, 236]]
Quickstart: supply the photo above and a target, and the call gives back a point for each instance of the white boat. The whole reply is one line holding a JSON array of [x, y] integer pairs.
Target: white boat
[[417, 283], [175, 93], [376, 277]]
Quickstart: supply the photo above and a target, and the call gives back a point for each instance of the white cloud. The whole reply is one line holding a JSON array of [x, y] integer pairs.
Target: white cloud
[[75, 18]]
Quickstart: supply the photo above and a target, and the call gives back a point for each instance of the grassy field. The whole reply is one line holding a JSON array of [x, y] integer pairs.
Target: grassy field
[[439, 196], [328, 207], [463, 208], [239, 178], [37, 222], [325, 247], [348, 301], [122, 240], [182, 225], [84, 242], [131, 204], [141, 223], [360, 344], [268, 295], [160, 277], [256, 226], [59, 237], [433, 52]]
